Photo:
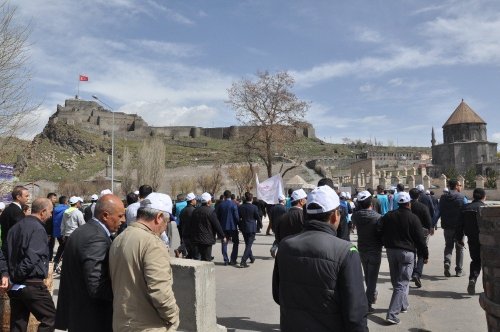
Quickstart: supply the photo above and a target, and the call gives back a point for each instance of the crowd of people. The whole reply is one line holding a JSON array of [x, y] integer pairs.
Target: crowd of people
[[114, 263]]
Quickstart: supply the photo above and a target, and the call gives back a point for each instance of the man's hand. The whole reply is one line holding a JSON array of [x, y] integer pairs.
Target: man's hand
[[5, 283], [426, 260], [224, 240], [431, 231]]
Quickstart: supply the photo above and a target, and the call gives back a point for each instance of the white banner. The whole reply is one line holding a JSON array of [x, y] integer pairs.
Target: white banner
[[270, 189]]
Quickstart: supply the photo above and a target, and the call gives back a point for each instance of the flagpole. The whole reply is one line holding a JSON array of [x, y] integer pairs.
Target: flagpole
[[78, 89]]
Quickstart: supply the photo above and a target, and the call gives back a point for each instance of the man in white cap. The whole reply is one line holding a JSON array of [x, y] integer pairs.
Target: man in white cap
[[275, 212], [314, 263], [426, 200], [204, 228], [402, 235], [88, 213], [131, 211], [72, 219], [292, 222], [366, 220], [141, 275], [186, 224]]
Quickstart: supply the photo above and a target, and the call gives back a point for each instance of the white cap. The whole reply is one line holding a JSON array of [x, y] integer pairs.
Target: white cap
[[136, 192], [403, 197], [335, 186], [446, 190], [105, 192], [427, 192], [364, 195], [74, 200], [343, 195], [80, 199], [190, 197], [206, 197], [158, 201], [2, 205], [94, 197], [420, 188], [281, 198], [348, 195], [325, 197], [298, 194]]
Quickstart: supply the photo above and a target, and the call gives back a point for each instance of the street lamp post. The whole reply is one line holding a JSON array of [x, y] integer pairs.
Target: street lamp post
[[112, 141]]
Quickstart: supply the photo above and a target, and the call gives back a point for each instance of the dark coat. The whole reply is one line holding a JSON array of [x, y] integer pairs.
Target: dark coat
[[227, 213], [450, 207], [9, 217], [85, 301], [422, 212], [468, 222], [290, 223], [186, 216], [249, 217], [275, 213], [204, 226], [367, 224], [318, 282]]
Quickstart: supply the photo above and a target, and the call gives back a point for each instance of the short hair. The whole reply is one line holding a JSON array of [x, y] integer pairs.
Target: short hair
[[40, 204], [132, 198], [325, 182], [432, 193], [17, 191], [49, 195], [452, 184], [227, 194], [380, 188], [290, 191], [248, 196], [149, 214], [370, 190], [63, 200], [366, 203], [233, 196], [181, 197], [478, 194], [414, 193], [145, 190], [324, 216], [400, 187]]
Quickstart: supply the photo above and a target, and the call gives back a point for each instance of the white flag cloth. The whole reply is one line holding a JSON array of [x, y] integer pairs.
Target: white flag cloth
[[270, 189]]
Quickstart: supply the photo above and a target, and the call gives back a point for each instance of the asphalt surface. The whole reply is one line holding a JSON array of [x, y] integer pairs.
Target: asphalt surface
[[245, 303]]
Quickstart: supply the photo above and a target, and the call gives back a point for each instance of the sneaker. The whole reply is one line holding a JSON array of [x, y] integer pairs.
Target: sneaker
[[471, 288], [244, 265], [393, 320], [232, 263], [459, 273], [404, 311], [417, 281], [447, 270], [252, 260]]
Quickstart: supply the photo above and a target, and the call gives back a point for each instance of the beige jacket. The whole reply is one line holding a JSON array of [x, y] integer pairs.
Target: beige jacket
[[141, 277]]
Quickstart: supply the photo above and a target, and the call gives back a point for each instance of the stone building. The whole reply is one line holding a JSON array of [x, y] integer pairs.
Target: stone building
[[465, 144]]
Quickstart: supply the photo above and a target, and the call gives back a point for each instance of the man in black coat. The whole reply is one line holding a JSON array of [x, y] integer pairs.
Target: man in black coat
[[317, 277], [186, 217], [13, 213], [275, 212], [85, 301], [249, 219], [292, 222], [28, 257]]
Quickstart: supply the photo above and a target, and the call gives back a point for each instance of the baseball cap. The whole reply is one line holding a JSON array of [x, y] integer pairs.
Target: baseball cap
[[2, 205], [420, 188], [281, 198], [94, 197], [446, 190], [364, 195], [348, 195], [325, 197], [403, 197], [206, 197], [74, 200], [190, 197], [298, 194], [343, 194], [427, 192], [158, 201], [106, 192], [136, 192]]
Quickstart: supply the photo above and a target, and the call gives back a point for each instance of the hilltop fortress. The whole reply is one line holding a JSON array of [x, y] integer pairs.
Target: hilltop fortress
[[91, 116]]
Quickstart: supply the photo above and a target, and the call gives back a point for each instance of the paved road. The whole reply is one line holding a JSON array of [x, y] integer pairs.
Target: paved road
[[244, 300]]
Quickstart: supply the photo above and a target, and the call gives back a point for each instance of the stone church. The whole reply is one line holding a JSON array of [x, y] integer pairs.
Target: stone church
[[465, 144]]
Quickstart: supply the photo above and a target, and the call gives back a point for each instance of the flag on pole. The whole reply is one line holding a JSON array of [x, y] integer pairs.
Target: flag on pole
[[270, 189], [84, 78]]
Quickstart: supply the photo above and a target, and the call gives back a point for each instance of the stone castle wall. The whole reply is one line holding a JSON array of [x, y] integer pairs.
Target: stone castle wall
[[91, 116]]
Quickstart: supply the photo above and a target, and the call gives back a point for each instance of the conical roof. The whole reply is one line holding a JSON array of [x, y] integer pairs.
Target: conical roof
[[463, 114]]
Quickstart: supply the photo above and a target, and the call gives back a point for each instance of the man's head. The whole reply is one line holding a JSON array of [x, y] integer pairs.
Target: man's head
[[414, 193], [132, 198], [248, 197], [63, 200], [400, 187], [144, 191], [52, 197], [206, 199], [380, 189], [20, 195], [453, 184], [364, 199], [479, 194], [154, 212], [299, 198], [420, 188], [42, 208], [227, 194], [110, 211], [94, 198], [404, 200], [290, 191], [281, 199], [326, 182], [322, 205], [191, 199], [75, 201]]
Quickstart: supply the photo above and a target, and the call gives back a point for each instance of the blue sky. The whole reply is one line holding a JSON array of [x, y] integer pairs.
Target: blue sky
[[384, 69]]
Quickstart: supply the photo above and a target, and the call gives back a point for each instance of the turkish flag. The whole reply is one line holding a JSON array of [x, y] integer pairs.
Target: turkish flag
[[84, 78]]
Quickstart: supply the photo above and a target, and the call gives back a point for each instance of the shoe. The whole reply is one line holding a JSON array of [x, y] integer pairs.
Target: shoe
[[375, 297], [404, 311], [471, 288], [417, 281], [244, 265], [447, 270], [232, 263], [226, 263], [392, 321], [252, 260], [370, 309], [177, 253], [459, 273]]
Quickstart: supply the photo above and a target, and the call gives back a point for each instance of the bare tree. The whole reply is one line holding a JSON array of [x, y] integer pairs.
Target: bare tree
[[211, 181], [182, 186], [127, 181], [242, 176], [151, 163], [269, 106], [15, 100]]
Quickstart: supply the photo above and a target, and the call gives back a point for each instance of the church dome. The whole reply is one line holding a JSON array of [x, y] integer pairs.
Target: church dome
[[463, 114]]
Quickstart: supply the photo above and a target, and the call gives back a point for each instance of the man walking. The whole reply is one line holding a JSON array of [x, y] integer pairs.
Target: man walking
[[402, 235], [227, 213], [450, 207], [141, 274], [28, 257], [85, 301], [57, 216], [292, 222], [249, 218], [13, 213], [366, 221], [186, 217], [317, 277]]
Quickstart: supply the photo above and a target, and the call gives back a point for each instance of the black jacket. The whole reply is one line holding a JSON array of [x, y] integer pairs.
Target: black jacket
[[204, 226], [450, 207], [467, 224], [249, 218], [427, 201], [422, 212], [318, 282], [401, 229], [85, 301], [288, 224], [9, 217], [367, 224], [186, 216], [28, 250]]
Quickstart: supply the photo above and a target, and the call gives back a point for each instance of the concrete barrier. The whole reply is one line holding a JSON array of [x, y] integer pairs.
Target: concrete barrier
[[194, 289]]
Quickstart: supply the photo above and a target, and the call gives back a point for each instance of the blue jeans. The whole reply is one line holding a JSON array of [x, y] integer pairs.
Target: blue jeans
[[249, 238], [233, 236], [371, 266], [400, 267]]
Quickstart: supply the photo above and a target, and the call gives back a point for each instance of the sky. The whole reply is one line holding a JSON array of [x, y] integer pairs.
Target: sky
[[388, 70]]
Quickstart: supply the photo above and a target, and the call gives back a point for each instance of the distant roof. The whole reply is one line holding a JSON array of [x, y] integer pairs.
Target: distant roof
[[463, 114]]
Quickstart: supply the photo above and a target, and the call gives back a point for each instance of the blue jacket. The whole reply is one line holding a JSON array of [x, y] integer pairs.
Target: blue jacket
[[57, 217], [227, 213], [179, 206], [249, 217]]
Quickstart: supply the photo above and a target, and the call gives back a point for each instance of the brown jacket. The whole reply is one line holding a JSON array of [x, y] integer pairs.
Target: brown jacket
[[141, 277]]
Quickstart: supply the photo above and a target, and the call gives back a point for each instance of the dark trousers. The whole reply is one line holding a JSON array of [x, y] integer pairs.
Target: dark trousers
[[60, 251], [52, 242], [35, 299], [204, 252], [371, 266], [418, 266], [249, 238], [233, 236], [475, 256]]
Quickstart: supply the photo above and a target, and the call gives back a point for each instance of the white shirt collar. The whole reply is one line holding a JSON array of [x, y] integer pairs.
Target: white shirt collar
[[103, 226]]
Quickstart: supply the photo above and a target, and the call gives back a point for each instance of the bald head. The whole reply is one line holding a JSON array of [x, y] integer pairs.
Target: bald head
[[110, 211], [42, 208]]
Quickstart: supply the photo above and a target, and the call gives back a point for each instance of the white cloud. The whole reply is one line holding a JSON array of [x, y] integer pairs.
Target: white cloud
[[366, 88], [395, 81], [367, 35]]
